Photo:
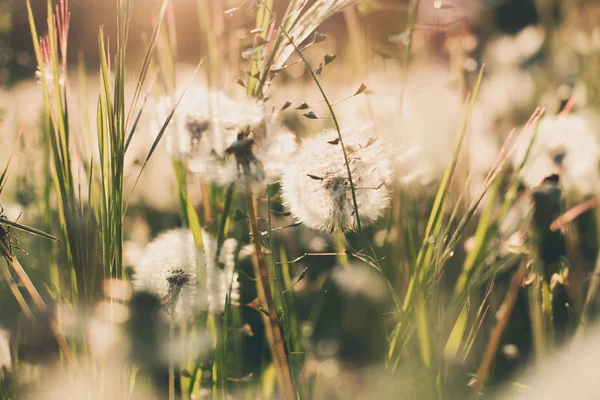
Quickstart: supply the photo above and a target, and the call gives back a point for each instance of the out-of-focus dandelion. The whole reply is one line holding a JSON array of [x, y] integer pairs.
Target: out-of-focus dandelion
[[169, 268], [316, 186], [581, 28], [403, 117], [505, 100], [565, 145], [225, 140], [514, 50], [185, 278]]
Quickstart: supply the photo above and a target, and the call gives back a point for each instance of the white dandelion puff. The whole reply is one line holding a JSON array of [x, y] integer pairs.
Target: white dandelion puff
[[421, 117], [515, 49], [317, 189], [221, 279], [169, 268], [225, 140], [567, 145]]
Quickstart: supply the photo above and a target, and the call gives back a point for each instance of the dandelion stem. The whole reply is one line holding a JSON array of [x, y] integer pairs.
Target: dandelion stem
[[340, 238], [280, 284], [171, 362], [536, 317], [263, 288], [335, 121]]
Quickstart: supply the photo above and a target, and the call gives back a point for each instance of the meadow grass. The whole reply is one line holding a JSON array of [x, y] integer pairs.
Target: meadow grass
[[445, 284]]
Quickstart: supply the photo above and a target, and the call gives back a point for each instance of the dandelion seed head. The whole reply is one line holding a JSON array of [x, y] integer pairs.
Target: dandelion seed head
[[225, 140], [169, 268], [566, 145], [316, 187]]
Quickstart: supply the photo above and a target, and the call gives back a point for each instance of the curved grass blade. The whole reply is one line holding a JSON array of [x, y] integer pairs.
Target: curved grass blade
[[6, 171], [160, 135], [27, 229]]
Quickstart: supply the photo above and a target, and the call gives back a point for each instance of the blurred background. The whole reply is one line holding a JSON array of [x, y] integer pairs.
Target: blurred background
[[405, 72]]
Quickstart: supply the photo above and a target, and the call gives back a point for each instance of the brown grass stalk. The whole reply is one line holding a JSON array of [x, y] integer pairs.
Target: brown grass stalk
[[505, 311], [263, 286]]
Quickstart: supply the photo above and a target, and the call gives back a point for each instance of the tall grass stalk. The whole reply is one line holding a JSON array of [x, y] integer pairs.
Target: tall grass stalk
[[7, 254], [332, 113], [263, 286], [506, 309], [51, 56], [115, 126], [280, 283]]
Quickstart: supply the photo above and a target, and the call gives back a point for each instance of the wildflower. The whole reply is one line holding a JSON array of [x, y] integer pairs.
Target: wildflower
[[169, 268], [316, 185], [220, 276], [506, 99], [565, 145], [515, 50], [403, 116], [224, 140]]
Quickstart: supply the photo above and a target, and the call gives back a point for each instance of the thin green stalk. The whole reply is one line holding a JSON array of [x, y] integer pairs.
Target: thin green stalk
[[340, 240], [280, 285], [335, 121], [536, 318], [223, 223], [507, 306]]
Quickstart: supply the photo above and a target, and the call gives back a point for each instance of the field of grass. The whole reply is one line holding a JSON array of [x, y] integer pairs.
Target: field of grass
[[299, 199]]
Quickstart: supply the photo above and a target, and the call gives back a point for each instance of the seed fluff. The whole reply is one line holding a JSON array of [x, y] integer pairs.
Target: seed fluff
[[316, 187]]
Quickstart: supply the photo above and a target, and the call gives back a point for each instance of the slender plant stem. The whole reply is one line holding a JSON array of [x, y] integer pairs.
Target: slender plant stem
[[280, 284], [171, 361], [506, 309], [340, 240], [536, 317], [335, 121], [263, 287]]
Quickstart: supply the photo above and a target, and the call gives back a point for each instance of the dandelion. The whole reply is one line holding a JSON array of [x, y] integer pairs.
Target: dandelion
[[506, 99], [564, 145], [224, 140], [316, 185], [515, 50], [419, 119], [169, 268], [185, 278]]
